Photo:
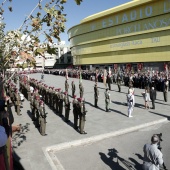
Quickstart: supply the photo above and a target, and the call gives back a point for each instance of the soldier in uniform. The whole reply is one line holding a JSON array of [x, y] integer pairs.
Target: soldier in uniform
[[166, 89], [35, 106], [31, 103], [50, 96], [107, 99], [96, 95], [28, 92], [42, 118], [56, 100], [109, 81], [66, 86], [17, 102], [46, 94], [36, 114], [73, 88], [75, 112], [82, 115], [12, 96], [81, 89], [15, 79], [60, 103], [67, 107], [119, 82]]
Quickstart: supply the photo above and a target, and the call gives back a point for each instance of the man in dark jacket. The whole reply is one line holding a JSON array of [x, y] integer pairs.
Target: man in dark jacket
[[153, 97]]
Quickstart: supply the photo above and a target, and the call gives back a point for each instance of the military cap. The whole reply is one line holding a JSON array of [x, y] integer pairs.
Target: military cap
[[74, 96], [59, 89]]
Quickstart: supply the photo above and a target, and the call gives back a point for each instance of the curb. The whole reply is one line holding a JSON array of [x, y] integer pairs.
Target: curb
[[55, 163]]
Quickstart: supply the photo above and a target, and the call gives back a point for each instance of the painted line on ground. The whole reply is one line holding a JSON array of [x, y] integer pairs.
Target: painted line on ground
[[54, 161]]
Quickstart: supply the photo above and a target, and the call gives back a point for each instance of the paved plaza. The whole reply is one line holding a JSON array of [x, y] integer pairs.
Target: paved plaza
[[48, 152]]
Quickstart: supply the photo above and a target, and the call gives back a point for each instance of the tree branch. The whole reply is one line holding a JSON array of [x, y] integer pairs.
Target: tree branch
[[28, 17]]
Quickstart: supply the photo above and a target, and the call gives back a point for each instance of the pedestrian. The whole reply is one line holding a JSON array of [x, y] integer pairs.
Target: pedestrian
[[146, 96], [96, 95], [107, 100], [153, 157], [153, 97], [130, 102]]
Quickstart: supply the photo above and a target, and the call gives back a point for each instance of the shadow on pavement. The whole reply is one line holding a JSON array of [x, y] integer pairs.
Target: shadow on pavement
[[115, 162], [19, 137], [139, 156], [141, 106], [162, 103], [118, 112], [118, 103], [137, 165], [168, 117]]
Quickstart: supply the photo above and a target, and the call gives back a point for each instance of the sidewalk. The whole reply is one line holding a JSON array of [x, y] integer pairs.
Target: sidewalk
[[38, 152]]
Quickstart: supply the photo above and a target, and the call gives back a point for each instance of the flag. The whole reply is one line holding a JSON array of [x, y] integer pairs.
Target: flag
[[97, 74], [66, 74], [80, 78], [104, 77], [167, 71], [110, 72]]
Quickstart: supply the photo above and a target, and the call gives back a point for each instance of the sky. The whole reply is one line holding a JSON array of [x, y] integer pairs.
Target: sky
[[75, 13]]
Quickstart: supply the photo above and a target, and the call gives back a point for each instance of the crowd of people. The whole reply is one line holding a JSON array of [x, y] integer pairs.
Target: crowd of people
[[139, 79]]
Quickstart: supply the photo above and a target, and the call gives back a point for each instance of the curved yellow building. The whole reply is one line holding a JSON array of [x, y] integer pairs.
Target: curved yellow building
[[138, 31]]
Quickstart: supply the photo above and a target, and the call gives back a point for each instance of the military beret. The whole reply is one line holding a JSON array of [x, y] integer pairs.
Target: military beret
[[37, 97], [74, 96], [79, 99], [41, 102], [65, 92]]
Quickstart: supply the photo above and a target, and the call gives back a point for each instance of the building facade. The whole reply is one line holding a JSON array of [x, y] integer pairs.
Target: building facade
[[135, 33], [61, 58]]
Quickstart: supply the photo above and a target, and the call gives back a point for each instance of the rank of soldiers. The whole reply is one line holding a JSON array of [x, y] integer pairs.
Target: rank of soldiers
[[56, 99]]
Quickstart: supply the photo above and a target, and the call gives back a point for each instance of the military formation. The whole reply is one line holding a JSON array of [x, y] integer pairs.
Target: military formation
[[56, 99]]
